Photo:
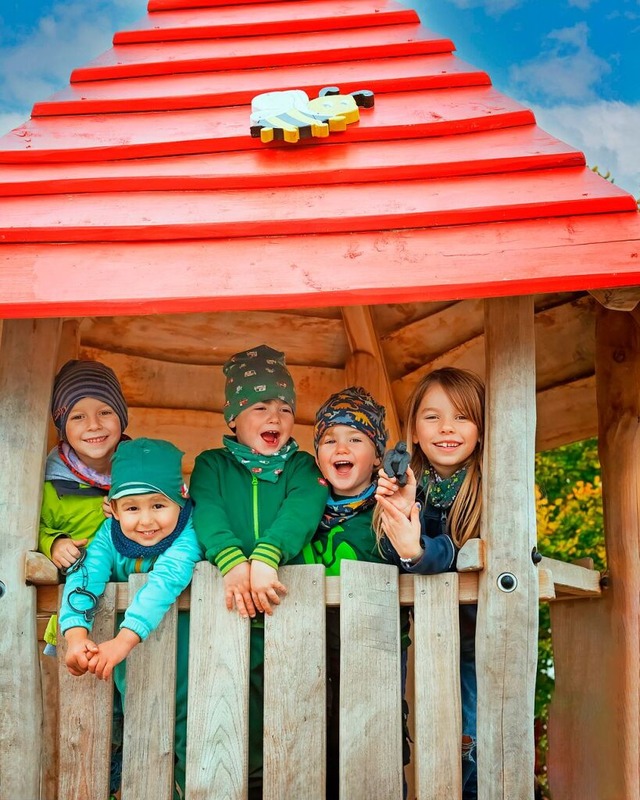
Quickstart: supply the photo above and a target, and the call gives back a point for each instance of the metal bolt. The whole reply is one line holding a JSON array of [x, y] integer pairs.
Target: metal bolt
[[3, 589], [507, 582]]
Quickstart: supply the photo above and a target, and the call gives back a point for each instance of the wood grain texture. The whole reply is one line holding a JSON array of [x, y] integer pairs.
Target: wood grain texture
[[370, 624], [217, 727], [142, 135], [155, 383], [153, 216], [198, 55], [147, 769], [366, 366], [240, 86], [595, 719], [86, 713], [211, 338], [438, 708], [27, 357], [279, 17], [585, 759], [295, 688], [433, 264], [507, 623]]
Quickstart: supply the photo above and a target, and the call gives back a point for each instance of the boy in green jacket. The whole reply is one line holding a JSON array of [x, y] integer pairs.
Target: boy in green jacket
[[258, 501]]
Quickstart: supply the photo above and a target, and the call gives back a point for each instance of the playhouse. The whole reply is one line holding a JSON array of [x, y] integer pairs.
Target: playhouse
[[145, 224]]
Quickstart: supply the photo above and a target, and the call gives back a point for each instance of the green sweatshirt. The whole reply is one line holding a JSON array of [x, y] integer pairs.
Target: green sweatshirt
[[353, 540], [237, 516]]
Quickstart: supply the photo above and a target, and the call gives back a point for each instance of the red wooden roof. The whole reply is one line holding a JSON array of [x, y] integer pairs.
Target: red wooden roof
[[139, 189]]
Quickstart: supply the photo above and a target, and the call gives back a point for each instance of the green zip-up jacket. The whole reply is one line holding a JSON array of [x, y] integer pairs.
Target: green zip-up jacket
[[352, 540], [238, 517]]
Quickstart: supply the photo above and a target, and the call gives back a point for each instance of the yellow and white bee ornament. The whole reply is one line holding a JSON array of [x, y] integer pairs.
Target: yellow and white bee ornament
[[290, 116]]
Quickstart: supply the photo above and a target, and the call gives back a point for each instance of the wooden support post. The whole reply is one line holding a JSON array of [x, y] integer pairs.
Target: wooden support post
[[27, 358], [598, 697], [507, 631], [366, 366]]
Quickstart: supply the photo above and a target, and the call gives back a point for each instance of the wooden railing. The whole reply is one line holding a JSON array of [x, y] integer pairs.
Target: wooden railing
[[369, 596]]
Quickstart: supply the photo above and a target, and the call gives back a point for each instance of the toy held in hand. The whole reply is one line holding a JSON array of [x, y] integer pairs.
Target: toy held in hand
[[396, 461]]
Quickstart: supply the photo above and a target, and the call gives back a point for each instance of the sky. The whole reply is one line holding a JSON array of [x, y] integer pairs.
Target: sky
[[575, 63]]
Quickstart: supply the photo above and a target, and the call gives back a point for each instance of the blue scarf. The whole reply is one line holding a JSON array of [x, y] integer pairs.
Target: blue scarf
[[339, 510], [130, 549]]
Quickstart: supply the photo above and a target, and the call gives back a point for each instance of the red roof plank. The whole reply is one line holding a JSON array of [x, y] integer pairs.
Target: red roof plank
[[139, 60], [89, 138], [177, 5], [264, 18], [509, 258], [238, 87], [522, 148], [149, 216]]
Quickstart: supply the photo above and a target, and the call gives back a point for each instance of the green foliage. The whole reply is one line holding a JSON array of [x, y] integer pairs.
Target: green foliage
[[569, 521]]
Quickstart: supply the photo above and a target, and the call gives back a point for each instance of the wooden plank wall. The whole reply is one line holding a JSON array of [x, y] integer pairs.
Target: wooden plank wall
[[170, 366]]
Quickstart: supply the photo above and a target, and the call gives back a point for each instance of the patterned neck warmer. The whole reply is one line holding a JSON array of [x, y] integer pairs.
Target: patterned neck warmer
[[441, 492], [265, 468], [83, 473], [130, 549], [339, 510]]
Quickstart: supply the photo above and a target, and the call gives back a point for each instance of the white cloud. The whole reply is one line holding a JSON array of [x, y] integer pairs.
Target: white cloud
[[606, 131], [494, 8], [568, 70], [583, 5], [41, 61]]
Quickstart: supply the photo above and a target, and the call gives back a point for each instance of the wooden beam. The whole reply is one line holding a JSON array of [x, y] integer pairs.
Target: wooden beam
[[156, 383], [572, 579], [367, 367], [622, 299], [27, 359], [507, 626], [596, 710], [467, 584]]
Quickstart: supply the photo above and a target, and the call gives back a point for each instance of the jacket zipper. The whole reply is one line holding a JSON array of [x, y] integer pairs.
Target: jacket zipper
[[256, 526]]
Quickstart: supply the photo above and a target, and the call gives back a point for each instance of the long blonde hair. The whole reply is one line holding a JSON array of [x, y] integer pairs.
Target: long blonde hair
[[465, 389]]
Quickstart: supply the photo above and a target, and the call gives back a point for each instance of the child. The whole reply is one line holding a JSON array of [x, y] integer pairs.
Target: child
[[90, 415], [445, 424], [350, 438], [258, 501], [151, 531]]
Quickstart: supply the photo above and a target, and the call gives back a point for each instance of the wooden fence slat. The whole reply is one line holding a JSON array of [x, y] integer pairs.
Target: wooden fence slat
[[147, 769], [86, 711], [217, 732], [370, 694], [295, 689], [436, 639], [27, 356]]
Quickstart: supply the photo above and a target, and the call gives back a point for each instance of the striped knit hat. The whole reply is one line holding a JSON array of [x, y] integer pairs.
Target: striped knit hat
[[355, 408], [79, 379]]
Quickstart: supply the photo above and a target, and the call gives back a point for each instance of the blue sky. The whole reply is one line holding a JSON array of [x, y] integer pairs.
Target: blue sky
[[576, 63]]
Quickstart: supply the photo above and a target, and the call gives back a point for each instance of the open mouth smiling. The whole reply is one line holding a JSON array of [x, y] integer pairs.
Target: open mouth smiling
[[343, 467], [271, 438]]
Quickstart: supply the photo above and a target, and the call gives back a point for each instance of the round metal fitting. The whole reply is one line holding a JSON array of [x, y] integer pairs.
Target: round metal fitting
[[507, 582]]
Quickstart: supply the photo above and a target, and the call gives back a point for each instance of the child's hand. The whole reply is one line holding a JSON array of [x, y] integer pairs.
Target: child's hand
[[110, 653], [403, 533], [106, 508], [79, 650], [265, 586], [65, 551], [402, 497], [237, 590]]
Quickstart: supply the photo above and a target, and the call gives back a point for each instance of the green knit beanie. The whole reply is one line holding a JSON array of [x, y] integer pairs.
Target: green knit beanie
[[146, 466], [255, 376]]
